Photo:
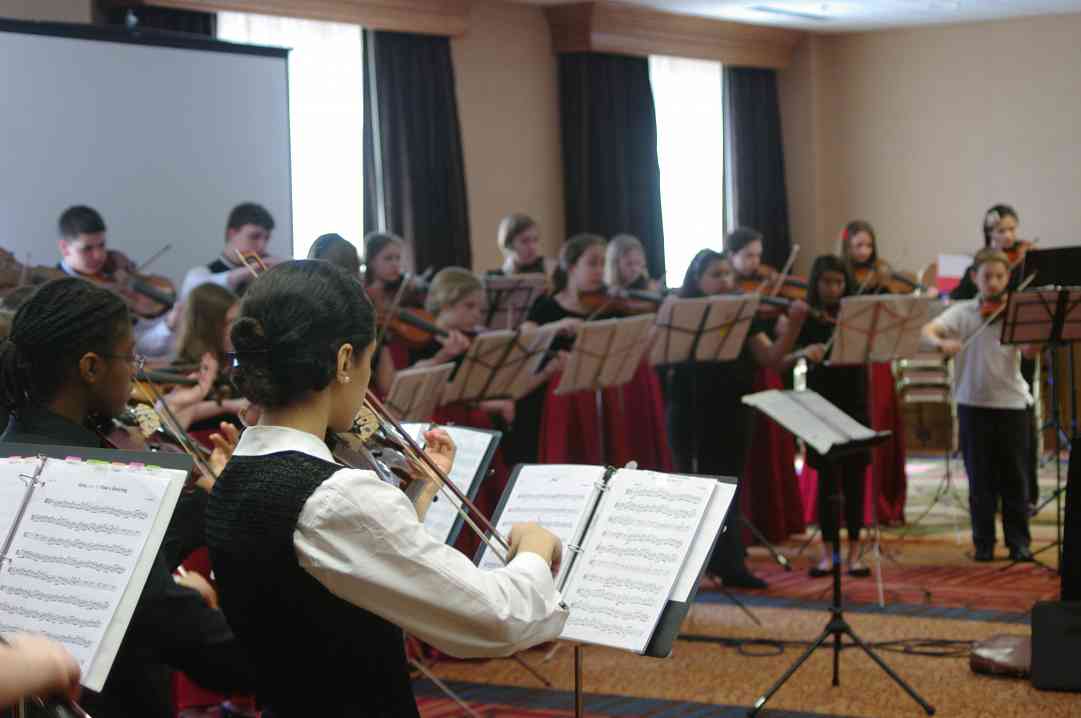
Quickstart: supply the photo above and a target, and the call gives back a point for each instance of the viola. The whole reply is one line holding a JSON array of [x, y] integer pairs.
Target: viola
[[147, 295]]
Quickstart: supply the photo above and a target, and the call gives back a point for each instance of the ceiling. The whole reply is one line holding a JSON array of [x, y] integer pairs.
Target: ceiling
[[852, 15]]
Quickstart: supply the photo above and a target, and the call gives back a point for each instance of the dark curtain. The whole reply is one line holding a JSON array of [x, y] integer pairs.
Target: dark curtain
[[155, 18], [414, 177], [612, 182], [754, 158]]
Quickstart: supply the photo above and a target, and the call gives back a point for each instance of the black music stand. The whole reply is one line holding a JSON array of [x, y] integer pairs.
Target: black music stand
[[1051, 317], [843, 445]]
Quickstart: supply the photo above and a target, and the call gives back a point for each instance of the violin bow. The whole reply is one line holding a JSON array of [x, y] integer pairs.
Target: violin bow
[[445, 484], [392, 310], [994, 315], [153, 258], [779, 280], [247, 263]]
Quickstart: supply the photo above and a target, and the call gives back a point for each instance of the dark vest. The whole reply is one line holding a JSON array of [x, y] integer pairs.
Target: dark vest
[[316, 654]]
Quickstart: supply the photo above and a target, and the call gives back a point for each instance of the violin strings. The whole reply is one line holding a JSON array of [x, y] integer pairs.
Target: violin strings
[[381, 412]]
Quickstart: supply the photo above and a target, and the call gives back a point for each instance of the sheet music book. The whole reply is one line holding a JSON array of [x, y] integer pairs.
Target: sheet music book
[[509, 298], [811, 417], [499, 365], [475, 449], [606, 353], [79, 538], [702, 329], [417, 392], [879, 328], [634, 545]]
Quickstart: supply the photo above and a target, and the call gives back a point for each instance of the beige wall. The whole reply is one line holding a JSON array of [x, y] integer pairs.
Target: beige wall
[[921, 130], [508, 105], [47, 10]]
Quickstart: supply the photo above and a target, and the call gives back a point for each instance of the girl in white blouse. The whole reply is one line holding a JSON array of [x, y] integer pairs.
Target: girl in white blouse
[[320, 566]]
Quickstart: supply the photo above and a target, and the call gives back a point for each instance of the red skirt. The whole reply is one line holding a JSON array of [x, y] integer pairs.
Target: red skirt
[[770, 495], [888, 460], [631, 420], [493, 485]]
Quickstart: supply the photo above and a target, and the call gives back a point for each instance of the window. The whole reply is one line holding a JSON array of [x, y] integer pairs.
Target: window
[[325, 115], [690, 152]]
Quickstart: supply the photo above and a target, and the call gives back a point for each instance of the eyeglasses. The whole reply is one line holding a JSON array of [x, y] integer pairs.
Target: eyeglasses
[[137, 361]]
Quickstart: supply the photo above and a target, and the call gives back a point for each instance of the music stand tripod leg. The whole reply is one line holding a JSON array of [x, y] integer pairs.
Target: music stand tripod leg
[[837, 627]]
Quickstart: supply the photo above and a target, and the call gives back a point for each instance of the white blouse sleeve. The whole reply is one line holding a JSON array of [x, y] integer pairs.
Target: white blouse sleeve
[[361, 539]]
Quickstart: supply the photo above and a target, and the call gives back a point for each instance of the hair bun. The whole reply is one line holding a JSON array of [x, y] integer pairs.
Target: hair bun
[[248, 335]]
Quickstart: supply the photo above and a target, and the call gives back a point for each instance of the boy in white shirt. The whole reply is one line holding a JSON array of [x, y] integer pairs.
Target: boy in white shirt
[[992, 401]]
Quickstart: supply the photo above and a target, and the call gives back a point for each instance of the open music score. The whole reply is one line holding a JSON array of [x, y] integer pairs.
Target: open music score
[[879, 328], [509, 298], [499, 365], [416, 393], [474, 449], [702, 329], [606, 353], [635, 544], [808, 415], [80, 537]]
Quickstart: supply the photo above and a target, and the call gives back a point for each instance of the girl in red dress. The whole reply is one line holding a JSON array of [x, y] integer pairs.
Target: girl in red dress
[[632, 415]]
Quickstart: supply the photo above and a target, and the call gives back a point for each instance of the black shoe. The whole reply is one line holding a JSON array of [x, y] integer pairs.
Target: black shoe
[[1021, 555], [742, 579], [983, 555], [858, 570]]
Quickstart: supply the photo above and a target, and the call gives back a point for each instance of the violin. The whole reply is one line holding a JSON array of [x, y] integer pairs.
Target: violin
[[791, 287], [1016, 252], [147, 295], [993, 306], [868, 277], [14, 274], [781, 305], [620, 302], [377, 442], [414, 327]]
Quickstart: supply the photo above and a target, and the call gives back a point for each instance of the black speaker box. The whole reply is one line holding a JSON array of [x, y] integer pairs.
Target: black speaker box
[[1056, 644], [1071, 528]]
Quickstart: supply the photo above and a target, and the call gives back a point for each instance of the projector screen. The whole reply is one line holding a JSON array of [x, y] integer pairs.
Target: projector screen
[[163, 136]]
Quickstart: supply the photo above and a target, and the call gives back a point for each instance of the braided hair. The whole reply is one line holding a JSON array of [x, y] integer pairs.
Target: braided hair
[[53, 329]]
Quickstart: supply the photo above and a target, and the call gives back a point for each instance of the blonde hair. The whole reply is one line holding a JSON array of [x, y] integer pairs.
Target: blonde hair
[[990, 254], [619, 246], [450, 286], [202, 327], [510, 227]]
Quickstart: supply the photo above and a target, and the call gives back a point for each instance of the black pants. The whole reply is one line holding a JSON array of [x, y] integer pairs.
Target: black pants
[[849, 472], [715, 448], [995, 446]]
